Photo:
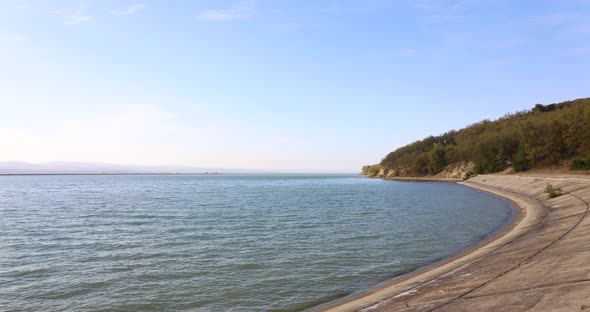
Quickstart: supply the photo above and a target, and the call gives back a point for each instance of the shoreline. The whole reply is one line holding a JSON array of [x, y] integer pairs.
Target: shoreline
[[428, 179], [356, 300], [420, 285]]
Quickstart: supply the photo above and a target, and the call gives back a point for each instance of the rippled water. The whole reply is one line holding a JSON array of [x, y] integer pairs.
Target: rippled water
[[222, 242]]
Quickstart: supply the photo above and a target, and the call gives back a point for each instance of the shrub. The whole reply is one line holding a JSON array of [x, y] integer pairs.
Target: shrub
[[551, 191], [580, 164], [521, 162], [371, 170], [468, 175]]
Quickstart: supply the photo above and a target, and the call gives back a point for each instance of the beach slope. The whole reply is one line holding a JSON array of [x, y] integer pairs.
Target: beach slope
[[540, 262]]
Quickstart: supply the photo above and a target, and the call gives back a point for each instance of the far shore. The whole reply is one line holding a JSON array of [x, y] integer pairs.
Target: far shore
[[525, 263]]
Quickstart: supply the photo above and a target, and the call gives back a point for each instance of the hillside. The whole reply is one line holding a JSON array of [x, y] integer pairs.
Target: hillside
[[554, 135]]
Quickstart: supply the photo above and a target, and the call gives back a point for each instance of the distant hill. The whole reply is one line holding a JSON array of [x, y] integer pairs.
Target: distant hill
[[62, 167], [546, 135]]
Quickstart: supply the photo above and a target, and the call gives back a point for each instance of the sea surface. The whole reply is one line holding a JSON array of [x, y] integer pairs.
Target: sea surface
[[223, 242]]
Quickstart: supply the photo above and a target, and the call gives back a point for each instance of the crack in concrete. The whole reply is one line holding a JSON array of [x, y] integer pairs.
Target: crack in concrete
[[586, 280], [533, 227], [528, 259]]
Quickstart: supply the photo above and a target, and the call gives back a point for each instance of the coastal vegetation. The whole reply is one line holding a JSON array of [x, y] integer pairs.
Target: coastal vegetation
[[580, 164], [544, 136], [552, 191]]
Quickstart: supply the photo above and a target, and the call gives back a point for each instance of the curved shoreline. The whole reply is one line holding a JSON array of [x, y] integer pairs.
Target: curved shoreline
[[358, 300], [429, 285]]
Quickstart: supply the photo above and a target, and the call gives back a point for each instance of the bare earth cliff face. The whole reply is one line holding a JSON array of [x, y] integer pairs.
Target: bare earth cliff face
[[540, 263], [455, 171]]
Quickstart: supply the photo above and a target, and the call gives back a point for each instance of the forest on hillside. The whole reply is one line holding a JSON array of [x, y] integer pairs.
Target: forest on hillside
[[555, 134]]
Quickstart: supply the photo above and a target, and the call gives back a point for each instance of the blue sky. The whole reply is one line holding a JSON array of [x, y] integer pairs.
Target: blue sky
[[324, 86]]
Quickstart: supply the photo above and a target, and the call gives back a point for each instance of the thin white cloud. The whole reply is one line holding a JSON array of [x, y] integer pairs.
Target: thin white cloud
[[14, 38], [24, 6], [130, 10], [242, 10], [72, 17], [77, 19]]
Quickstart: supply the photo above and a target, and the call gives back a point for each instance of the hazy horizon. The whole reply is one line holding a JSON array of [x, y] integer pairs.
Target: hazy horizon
[[72, 167], [311, 86]]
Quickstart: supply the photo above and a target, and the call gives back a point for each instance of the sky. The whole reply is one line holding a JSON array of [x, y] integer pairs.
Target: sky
[[307, 85]]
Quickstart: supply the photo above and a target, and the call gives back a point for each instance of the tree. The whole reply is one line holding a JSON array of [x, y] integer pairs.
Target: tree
[[556, 146], [553, 133], [436, 159], [420, 164]]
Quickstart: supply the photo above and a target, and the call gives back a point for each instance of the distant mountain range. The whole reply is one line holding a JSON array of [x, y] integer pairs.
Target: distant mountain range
[[65, 167]]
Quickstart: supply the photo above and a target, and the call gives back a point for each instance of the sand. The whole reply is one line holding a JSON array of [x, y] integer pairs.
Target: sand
[[539, 262]]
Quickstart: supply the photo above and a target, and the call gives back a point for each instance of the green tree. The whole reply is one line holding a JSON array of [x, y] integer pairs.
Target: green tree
[[556, 146], [436, 159], [553, 133], [420, 165]]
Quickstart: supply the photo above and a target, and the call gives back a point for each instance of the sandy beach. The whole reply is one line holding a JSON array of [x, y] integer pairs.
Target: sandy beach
[[539, 262]]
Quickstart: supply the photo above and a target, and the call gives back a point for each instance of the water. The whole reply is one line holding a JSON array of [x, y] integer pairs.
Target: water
[[222, 242]]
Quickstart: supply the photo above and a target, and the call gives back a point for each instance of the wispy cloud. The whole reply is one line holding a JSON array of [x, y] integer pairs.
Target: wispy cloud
[[77, 19], [72, 17], [130, 10], [23, 5], [13, 38], [242, 10]]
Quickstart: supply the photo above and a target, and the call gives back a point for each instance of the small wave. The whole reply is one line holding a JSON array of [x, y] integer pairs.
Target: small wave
[[26, 272], [249, 266]]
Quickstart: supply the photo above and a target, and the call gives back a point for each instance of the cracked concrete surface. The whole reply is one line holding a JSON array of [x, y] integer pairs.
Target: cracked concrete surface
[[540, 263]]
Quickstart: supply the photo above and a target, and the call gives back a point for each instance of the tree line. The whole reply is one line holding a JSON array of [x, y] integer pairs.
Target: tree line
[[554, 134]]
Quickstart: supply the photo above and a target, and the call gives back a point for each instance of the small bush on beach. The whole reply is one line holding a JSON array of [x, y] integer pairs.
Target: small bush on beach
[[551, 191]]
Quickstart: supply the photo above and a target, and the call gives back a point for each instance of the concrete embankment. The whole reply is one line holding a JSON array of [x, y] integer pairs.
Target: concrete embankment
[[541, 262]]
